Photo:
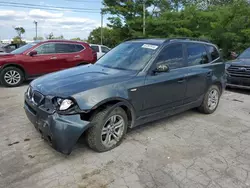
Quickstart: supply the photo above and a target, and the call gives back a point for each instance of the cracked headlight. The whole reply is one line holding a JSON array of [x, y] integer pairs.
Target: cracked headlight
[[64, 104]]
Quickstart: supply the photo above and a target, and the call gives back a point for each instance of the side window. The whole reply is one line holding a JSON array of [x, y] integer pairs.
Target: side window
[[213, 52], [95, 48], [105, 49], [196, 54], [171, 56], [65, 48], [46, 49], [78, 48]]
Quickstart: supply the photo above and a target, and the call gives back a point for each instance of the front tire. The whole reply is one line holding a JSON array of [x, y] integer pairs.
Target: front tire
[[109, 129], [11, 77], [211, 100]]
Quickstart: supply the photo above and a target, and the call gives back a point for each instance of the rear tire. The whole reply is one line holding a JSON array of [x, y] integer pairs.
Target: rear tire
[[11, 77], [211, 100], [102, 123]]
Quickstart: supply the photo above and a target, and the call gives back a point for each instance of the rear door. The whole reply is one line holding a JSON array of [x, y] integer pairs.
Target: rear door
[[200, 71], [68, 55]]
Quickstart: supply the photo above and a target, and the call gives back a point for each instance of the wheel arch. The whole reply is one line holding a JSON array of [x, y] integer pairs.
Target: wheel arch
[[17, 66], [219, 85], [114, 102]]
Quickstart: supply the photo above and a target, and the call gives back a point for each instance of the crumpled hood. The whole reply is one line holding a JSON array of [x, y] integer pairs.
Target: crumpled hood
[[72, 81], [240, 62]]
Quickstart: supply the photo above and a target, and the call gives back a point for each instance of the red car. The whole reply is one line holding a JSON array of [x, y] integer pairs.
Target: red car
[[40, 58]]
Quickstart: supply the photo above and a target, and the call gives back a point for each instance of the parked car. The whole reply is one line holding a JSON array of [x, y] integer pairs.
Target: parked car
[[100, 49], [2, 47], [11, 47], [136, 82], [238, 71], [38, 58]]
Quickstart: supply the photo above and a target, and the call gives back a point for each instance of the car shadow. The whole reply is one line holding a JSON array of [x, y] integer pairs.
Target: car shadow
[[81, 145], [25, 83], [238, 90]]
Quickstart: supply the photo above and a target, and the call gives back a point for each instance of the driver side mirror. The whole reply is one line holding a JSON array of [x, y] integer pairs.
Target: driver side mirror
[[33, 53], [161, 68]]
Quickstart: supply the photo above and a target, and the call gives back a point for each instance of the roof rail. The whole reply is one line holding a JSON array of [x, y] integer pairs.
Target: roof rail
[[190, 38]]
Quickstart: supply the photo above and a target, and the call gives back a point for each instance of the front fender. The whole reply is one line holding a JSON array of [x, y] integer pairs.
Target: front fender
[[92, 98]]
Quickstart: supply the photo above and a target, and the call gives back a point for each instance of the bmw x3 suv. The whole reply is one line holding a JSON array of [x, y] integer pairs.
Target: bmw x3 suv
[[136, 82]]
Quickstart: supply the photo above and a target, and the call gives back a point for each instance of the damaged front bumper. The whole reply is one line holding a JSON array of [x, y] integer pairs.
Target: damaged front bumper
[[61, 131]]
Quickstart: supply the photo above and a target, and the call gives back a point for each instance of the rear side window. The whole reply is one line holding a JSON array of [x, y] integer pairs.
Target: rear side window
[[196, 54], [105, 49], [213, 52], [95, 48], [65, 48], [78, 47]]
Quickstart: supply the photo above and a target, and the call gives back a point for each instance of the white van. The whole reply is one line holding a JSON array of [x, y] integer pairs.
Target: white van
[[99, 49]]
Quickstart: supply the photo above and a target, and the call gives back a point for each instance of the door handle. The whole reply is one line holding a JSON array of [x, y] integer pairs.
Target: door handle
[[53, 58], [209, 74], [181, 80], [77, 56]]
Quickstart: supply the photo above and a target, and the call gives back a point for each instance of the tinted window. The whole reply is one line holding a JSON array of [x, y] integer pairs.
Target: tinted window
[[65, 48], [196, 54], [105, 49], [213, 52], [46, 49], [171, 56], [78, 47], [95, 48]]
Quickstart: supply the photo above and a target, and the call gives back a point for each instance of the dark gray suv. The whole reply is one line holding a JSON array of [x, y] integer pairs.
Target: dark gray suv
[[137, 82]]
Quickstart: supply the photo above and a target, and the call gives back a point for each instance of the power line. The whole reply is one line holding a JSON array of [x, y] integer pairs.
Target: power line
[[54, 9], [44, 6]]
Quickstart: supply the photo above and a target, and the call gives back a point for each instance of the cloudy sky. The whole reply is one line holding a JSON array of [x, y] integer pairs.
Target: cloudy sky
[[64, 22]]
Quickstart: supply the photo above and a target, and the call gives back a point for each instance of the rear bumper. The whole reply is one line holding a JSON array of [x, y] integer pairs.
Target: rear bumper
[[61, 131]]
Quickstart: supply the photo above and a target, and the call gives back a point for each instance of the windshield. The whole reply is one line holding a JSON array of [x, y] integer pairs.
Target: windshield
[[128, 56], [23, 48], [245, 54]]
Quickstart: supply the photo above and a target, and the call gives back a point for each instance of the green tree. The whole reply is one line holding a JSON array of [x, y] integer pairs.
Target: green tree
[[20, 31]]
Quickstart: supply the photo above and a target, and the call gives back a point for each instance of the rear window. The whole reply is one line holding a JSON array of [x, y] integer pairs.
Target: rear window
[[213, 52], [95, 48]]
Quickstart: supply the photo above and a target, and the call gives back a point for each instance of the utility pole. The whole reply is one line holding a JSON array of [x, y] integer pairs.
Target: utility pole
[[144, 18], [35, 22], [101, 27]]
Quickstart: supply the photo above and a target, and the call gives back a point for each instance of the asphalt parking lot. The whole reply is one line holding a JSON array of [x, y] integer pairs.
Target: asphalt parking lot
[[190, 150]]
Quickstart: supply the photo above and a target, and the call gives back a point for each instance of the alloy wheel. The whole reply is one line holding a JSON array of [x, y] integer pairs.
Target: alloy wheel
[[213, 99], [112, 130], [12, 77]]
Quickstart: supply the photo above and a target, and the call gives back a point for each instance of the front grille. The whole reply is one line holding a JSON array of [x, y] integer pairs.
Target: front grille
[[239, 71], [37, 98]]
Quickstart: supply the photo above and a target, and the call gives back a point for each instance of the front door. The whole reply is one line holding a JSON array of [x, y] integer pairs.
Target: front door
[[167, 89], [45, 61]]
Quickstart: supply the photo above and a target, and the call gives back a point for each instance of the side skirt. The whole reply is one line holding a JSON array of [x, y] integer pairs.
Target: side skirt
[[166, 113]]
